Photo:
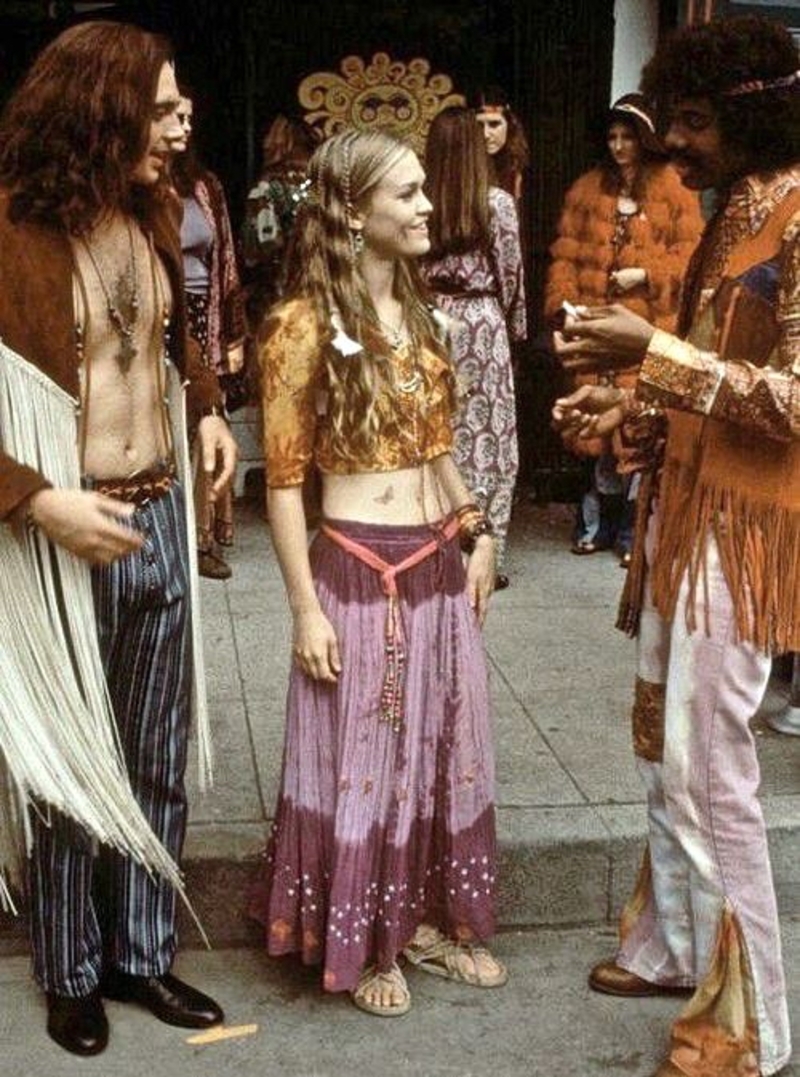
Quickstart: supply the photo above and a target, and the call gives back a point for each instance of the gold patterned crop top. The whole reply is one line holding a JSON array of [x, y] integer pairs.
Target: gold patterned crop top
[[297, 428]]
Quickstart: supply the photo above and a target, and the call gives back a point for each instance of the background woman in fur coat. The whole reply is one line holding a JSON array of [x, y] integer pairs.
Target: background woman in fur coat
[[626, 233]]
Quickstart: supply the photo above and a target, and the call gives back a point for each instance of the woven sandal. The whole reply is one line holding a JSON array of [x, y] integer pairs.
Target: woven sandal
[[393, 978], [443, 957]]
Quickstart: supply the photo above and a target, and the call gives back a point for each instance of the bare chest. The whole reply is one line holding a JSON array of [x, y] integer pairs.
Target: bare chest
[[122, 304]]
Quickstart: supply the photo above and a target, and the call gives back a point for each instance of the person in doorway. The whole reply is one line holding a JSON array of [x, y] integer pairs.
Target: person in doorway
[[270, 212], [215, 314], [506, 142]]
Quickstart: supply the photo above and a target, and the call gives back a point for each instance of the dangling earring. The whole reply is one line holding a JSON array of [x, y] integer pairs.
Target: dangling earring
[[356, 243]]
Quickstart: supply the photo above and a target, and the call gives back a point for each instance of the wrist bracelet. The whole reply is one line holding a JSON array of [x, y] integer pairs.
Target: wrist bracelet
[[468, 538], [467, 508]]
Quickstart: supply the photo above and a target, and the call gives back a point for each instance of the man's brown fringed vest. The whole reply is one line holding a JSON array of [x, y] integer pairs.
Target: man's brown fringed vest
[[728, 480]]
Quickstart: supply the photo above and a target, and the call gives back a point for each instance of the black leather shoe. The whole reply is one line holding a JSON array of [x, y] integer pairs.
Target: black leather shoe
[[78, 1025], [166, 997], [501, 581]]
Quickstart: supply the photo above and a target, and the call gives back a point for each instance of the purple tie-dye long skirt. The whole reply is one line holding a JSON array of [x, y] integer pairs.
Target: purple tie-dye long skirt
[[377, 831]]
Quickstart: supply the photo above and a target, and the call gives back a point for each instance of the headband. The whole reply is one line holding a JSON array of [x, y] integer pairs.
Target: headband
[[760, 85], [625, 107]]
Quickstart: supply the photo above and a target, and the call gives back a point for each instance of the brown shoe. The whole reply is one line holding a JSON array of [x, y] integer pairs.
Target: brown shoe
[[212, 566], [610, 979]]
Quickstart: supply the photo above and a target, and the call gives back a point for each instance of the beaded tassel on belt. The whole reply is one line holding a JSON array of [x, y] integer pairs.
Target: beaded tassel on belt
[[391, 702], [392, 693]]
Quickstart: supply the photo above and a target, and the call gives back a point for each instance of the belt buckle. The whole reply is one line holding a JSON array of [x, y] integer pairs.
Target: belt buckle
[[143, 502]]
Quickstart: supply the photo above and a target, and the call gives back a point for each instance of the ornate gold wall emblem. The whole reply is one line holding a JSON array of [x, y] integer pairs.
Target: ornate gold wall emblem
[[403, 97]]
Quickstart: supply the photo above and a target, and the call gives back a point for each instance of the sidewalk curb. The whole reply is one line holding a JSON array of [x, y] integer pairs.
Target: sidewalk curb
[[576, 871]]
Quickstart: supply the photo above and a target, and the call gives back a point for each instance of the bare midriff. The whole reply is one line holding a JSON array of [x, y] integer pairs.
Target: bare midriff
[[409, 496]]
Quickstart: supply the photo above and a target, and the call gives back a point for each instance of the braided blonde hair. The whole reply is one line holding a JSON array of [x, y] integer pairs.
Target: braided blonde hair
[[344, 172]]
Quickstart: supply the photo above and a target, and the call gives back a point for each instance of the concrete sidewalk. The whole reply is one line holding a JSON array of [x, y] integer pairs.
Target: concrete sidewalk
[[570, 805], [544, 1023]]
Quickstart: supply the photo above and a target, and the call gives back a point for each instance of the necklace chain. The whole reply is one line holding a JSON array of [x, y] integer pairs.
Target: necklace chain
[[396, 338], [395, 334], [122, 303], [411, 383], [162, 354]]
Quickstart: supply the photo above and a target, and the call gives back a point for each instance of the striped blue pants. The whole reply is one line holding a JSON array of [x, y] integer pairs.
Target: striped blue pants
[[92, 909]]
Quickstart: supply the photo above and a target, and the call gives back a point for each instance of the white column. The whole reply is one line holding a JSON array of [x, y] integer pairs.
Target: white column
[[635, 39]]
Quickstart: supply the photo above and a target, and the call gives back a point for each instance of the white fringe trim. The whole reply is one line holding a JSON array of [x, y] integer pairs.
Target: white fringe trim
[[176, 398], [58, 741]]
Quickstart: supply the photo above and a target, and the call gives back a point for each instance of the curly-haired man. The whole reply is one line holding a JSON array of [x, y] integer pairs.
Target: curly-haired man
[[722, 545]]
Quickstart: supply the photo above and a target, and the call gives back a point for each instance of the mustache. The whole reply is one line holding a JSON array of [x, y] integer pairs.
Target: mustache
[[685, 158]]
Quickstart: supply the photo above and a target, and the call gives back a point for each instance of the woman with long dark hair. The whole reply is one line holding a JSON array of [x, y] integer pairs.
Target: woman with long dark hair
[[506, 141], [384, 841], [626, 233], [475, 272]]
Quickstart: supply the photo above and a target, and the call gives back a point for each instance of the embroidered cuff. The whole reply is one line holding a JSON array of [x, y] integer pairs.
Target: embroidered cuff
[[675, 374]]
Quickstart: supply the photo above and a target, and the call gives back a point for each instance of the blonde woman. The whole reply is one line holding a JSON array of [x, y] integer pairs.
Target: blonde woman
[[384, 837]]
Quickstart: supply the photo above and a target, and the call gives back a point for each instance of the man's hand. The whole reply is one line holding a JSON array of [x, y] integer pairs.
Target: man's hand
[[591, 411], [218, 453], [602, 338], [88, 524]]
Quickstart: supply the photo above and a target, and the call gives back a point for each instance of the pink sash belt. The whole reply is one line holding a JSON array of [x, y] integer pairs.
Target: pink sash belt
[[391, 709]]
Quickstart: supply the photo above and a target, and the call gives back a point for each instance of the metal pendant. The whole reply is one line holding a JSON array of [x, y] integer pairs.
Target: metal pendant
[[411, 384], [126, 353]]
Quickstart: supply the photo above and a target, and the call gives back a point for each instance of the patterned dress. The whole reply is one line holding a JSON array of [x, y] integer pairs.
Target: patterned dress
[[484, 293], [215, 322]]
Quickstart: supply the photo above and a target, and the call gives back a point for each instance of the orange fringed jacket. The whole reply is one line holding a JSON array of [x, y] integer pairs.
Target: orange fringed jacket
[[663, 235], [732, 390]]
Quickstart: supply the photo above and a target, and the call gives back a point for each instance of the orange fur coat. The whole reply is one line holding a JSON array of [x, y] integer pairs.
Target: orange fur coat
[[663, 234], [661, 238]]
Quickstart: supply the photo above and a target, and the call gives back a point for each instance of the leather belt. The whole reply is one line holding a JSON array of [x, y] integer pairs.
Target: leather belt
[[138, 489]]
